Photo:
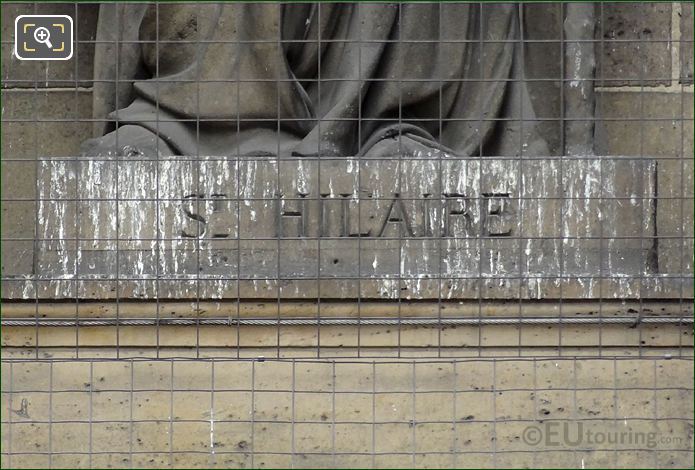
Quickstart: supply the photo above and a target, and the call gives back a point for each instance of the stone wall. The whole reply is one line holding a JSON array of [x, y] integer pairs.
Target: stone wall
[[644, 108], [403, 414], [43, 103], [430, 413]]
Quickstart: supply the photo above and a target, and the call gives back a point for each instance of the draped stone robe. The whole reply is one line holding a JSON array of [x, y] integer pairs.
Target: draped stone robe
[[334, 79]]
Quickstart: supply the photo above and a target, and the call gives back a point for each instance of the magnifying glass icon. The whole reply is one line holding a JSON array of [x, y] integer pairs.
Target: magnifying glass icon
[[43, 36]]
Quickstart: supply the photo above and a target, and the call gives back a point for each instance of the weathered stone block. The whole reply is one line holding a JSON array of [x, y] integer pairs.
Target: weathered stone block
[[18, 180], [44, 123], [410, 224], [664, 129], [18, 189], [46, 107], [70, 73], [17, 255], [633, 45], [423, 422], [644, 124], [25, 138], [686, 44]]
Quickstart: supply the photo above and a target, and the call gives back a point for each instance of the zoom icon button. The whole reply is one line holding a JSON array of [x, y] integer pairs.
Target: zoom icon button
[[43, 37]]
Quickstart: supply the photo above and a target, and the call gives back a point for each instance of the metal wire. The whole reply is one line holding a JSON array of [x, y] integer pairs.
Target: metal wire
[[349, 321], [340, 363]]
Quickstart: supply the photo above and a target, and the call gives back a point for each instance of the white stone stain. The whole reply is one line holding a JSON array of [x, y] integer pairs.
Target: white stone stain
[[150, 253]]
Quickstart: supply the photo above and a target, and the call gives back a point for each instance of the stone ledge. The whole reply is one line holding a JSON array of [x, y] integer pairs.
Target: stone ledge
[[204, 309]]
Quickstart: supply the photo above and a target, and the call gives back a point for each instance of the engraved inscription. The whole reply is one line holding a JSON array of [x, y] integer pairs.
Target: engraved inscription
[[339, 217]]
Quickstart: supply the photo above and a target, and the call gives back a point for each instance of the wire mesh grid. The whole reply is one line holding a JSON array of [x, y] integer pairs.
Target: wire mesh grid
[[449, 413], [480, 191]]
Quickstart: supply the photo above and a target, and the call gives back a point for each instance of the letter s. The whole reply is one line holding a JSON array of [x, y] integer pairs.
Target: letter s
[[201, 222]]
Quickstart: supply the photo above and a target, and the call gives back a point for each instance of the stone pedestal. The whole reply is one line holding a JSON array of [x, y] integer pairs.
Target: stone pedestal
[[425, 228]]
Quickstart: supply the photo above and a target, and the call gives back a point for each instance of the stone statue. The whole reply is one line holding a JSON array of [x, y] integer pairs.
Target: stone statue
[[312, 80]]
